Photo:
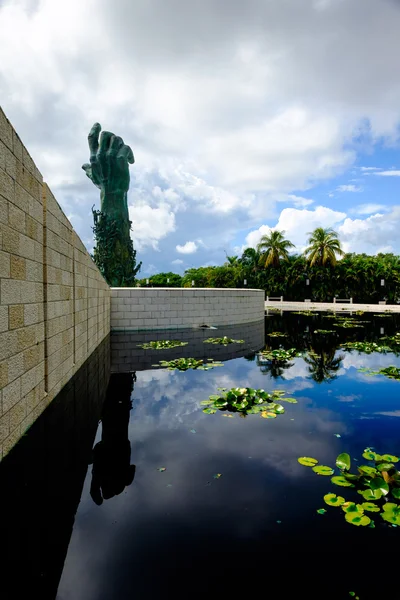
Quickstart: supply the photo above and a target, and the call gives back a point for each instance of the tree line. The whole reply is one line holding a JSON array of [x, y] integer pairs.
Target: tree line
[[322, 272]]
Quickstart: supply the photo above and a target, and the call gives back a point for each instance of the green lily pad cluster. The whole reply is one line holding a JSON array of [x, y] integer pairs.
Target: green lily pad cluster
[[347, 323], [324, 331], [378, 483], [366, 347], [277, 334], [246, 401], [280, 354], [162, 344], [183, 364], [223, 340], [391, 372], [393, 341]]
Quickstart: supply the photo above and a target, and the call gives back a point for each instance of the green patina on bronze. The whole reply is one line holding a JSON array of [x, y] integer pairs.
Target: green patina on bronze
[[109, 171]]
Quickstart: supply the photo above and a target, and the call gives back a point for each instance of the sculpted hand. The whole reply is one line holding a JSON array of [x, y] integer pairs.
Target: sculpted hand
[[109, 161]]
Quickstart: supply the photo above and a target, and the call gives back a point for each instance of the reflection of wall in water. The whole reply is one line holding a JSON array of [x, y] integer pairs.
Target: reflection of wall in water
[[42, 479], [126, 356]]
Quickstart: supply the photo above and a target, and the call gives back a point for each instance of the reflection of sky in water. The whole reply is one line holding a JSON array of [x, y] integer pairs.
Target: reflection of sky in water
[[157, 537]]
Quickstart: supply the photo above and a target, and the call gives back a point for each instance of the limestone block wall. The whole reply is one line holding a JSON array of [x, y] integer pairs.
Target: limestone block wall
[[54, 303], [134, 309]]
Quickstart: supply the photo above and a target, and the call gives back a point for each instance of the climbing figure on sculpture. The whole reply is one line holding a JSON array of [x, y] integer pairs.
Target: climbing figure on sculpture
[[109, 171]]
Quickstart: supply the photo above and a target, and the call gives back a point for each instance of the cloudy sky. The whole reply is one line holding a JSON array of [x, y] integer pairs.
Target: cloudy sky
[[242, 116]]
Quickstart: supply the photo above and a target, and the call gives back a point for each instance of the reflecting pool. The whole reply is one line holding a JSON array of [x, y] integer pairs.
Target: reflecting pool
[[133, 492]]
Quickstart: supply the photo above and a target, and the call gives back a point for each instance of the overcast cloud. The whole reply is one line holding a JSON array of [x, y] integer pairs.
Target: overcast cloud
[[237, 114]]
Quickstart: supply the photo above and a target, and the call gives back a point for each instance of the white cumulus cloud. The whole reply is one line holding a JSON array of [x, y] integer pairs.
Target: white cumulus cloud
[[187, 248]]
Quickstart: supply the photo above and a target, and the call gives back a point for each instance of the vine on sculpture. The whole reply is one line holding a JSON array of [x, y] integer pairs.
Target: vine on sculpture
[[109, 171]]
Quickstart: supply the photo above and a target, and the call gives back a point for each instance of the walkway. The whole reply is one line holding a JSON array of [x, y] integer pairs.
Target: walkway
[[330, 306]]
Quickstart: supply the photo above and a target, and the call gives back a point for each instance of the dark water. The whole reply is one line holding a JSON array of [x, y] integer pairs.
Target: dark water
[[122, 529]]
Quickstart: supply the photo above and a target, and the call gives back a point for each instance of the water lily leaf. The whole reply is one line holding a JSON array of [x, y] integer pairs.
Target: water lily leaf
[[206, 402], [323, 470], [357, 518], [209, 411], [268, 415], [306, 461], [392, 507], [162, 469], [340, 480], [321, 511], [277, 408], [365, 470], [228, 416], [333, 500], [371, 495], [343, 461], [348, 507], [369, 455], [289, 400], [396, 493], [217, 475], [350, 476], [390, 458], [370, 507], [378, 483], [391, 518], [385, 466]]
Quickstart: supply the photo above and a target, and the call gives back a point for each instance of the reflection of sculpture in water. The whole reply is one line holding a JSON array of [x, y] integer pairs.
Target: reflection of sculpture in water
[[112, 470]]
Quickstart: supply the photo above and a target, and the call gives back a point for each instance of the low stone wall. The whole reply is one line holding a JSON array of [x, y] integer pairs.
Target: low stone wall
[[54, 303], [134, 309]]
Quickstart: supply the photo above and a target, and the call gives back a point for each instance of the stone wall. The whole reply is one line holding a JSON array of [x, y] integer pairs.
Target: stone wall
[[134, 309], [54, 303]]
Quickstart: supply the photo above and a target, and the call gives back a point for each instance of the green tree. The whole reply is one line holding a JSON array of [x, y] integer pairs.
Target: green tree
[[274, 247], [323, 247]]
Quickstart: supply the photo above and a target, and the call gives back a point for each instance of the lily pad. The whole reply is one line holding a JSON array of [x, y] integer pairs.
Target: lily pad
[[378, 483], [357, 518], [369, 455], [333, 500], [268, 415], [396, 493], [371, 495], [370, 507], [306, 461], [385, 466], [390, 458], [209, 411], [351, 507], [343, 461], [391, 518], [340, 480], [365, 470], [323, 470], [217, 475], [321, 511], [162, 469]]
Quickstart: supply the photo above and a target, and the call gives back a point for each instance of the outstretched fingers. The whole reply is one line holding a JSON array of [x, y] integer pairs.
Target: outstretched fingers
[[126, 153], [105, 139], [93, 139]]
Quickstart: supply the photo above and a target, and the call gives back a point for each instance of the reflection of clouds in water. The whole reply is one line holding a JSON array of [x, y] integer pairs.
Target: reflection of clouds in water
[[371, 361], [299, 369], [349, 398], [389, 413]]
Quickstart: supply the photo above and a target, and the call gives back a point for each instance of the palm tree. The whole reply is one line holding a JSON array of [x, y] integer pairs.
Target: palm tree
[[324, 245], [274, 247]]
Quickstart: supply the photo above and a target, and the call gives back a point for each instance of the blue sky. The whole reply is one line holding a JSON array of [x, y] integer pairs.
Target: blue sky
[[273, 113]]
